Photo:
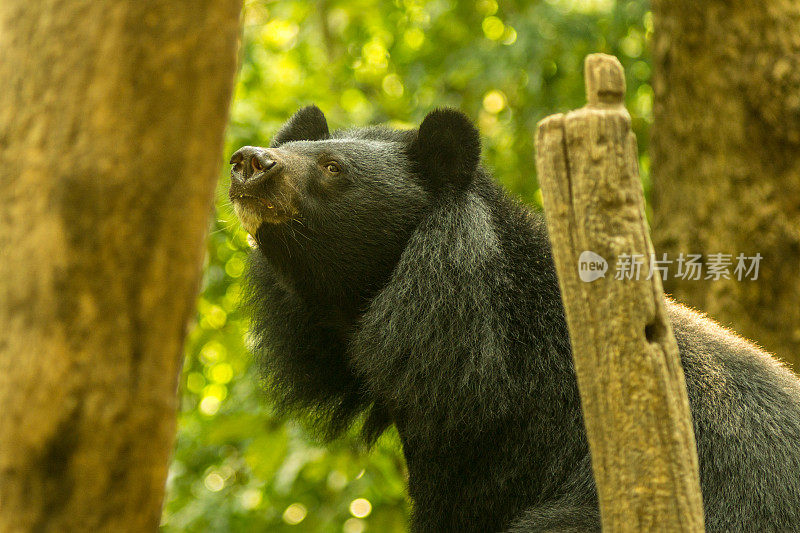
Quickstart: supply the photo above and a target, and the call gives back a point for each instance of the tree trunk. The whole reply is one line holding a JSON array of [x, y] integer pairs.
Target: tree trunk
[[725, 145], [633, 393], [111, 124]]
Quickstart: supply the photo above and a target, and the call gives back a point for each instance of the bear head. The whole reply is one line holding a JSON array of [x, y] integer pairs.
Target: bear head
[[332, 211]]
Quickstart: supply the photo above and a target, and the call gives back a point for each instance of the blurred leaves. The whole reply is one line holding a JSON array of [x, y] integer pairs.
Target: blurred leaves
[[508, 64]]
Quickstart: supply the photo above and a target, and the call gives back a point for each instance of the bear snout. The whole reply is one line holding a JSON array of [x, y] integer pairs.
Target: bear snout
[[254, 163], [258, 187]]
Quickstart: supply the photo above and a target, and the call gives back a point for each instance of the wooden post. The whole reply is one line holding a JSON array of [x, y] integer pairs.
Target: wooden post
[[633, 393]]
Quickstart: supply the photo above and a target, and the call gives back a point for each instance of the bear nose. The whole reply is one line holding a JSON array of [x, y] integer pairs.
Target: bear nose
[[253, 160]]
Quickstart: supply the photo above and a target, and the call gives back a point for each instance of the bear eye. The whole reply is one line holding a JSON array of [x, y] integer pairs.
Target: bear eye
[[332, 167]]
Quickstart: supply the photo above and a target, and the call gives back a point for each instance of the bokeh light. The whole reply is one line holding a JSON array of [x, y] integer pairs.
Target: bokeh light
[[294, 514], [360, 508]]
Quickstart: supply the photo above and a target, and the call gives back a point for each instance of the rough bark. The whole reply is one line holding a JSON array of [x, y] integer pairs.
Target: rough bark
[[633, 393], [725, 144], [111, 124]]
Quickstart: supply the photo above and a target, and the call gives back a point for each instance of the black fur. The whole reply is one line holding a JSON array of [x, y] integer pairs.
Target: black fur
[[307, 124], [447, 149], [413, 291]]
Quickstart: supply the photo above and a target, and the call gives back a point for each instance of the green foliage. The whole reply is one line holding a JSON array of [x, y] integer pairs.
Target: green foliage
[[238, 467]]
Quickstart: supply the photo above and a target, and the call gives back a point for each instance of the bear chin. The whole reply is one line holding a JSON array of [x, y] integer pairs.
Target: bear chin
[[252, 212]]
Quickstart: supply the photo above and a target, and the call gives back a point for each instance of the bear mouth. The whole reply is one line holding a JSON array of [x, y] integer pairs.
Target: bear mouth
[[253, 211]]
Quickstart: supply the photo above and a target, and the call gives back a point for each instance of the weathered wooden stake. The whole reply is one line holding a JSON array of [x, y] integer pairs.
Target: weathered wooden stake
[[635, 405]]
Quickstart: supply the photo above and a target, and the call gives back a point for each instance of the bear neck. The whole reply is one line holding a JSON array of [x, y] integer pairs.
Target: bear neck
[[468, 329], [337, 280]]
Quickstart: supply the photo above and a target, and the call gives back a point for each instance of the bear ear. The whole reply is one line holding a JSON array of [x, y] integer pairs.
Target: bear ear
[[307, 124], [448, 148]]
